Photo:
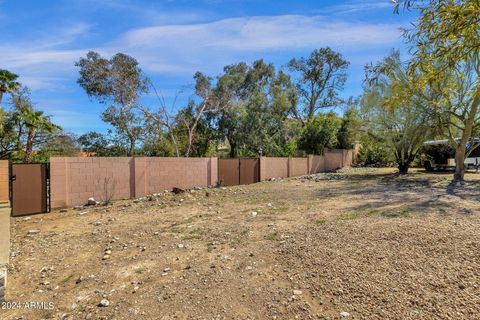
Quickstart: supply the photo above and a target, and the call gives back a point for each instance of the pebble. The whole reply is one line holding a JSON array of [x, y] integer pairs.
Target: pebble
[[104, 303], [106, 257], [344, 314], [34, 231], [297, 292], [254, 214]]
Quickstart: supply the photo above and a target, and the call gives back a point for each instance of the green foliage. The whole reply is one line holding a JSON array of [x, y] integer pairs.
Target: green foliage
[[204, 135], [120, 81], [24, 128], [259, 99], [445, 41], [117, 80], [100, 145], [350, 129], [59, 144], [320, 133], [400, 119], [374, 152], [445, 30], [319, 79], [8, 83]]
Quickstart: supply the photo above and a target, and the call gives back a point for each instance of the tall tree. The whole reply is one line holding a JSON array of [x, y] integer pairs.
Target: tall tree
[[31, 127], [399, 116], [320, 133], [260, 99], [8, 83], [208, 105], [446, 40], [160, 122], [350, 129], [117, 81], [320, 78]]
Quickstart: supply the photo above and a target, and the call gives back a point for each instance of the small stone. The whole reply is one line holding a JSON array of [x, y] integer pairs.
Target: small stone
[[166, 269], [104, 303], [33, 231], [180, 246], [297, 292], [108, 252], [344, 314], [254, 214], [106, 257], [461, 286], [249, 268], [92, 202], [83, 212]]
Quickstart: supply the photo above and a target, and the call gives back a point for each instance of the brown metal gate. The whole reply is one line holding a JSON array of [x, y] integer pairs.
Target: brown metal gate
[[29, 187], [233, 172], [249, 171], [228, 172]]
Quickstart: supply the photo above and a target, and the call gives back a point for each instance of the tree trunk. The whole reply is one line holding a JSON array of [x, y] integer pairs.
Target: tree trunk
[[131, 148], [29, 146], [461, 148], [233, 150], [403, 168], [1, 96]]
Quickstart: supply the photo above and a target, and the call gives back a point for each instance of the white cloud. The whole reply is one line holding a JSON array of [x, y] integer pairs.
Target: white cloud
[[360, 5], [263, 33], [184, 48]]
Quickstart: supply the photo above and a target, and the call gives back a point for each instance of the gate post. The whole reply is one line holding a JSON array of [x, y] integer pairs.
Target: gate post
[[289, 166], [3, 283]]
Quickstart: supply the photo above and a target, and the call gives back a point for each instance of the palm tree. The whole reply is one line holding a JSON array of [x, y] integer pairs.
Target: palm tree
[[34, 122], [7, 83]]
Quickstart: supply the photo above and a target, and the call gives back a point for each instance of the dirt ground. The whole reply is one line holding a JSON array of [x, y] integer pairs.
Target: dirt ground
[[361, 244]]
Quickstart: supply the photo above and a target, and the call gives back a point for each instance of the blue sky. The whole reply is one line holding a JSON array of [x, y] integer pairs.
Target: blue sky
[[41, 40]]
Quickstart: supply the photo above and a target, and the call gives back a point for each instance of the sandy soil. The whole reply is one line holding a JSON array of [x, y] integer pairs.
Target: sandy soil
[[362, 244]]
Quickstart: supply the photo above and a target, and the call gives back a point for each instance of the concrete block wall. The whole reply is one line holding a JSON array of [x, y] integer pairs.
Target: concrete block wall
[[4, 181], [333, 159], [271, 167], [74, 180], [316, 164], [348, 157], [157, 174], [297, 167]]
